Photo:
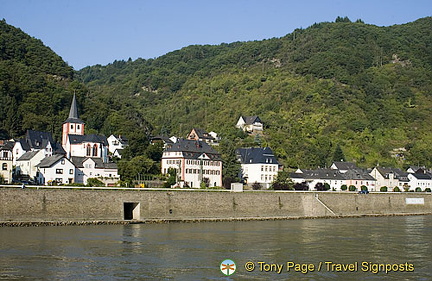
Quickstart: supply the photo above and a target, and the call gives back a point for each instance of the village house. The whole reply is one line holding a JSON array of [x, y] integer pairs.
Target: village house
[[250, 124], [201, 135], [390, 177], [56, 169], [6, 160], [26, 169], [258, 165], [334, 178], [116, 144], [195, 161]]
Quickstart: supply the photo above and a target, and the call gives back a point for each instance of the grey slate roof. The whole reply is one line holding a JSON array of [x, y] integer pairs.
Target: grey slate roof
[[38, 140], [28, 155], [422, 176], [398, 173], [49, 161], [345, 165], [249, 120], [192, 149], [325, 174], [256, 155]]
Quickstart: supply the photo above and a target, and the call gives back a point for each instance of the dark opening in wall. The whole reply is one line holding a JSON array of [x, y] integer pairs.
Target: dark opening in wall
[[131, 211]]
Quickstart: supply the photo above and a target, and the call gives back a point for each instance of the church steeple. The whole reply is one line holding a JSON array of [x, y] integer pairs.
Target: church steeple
[[73, 113], [73, 125]]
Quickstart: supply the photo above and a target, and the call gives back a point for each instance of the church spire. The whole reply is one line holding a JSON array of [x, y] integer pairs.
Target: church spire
[[73, 113]]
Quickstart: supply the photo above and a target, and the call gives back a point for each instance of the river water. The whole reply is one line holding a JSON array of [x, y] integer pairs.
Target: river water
[[347, 249]]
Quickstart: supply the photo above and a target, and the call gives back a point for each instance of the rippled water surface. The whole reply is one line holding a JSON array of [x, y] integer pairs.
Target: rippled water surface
[[194, 251]]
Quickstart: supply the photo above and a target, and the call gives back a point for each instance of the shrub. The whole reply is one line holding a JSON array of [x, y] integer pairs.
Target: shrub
[[418, 189], [352, 188], [383, 189], [344, 187], [94, 182], [256, 186], [396, 189], [364, 188], [427, 189]]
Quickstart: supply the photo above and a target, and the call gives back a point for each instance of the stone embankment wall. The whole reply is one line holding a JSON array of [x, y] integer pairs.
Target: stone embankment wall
[[76, 206]]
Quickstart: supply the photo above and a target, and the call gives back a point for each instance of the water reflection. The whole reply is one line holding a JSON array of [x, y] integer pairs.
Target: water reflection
[[189, 251]]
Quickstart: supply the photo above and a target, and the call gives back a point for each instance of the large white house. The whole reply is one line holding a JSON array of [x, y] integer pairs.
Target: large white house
[[194, 161], [259, 165]]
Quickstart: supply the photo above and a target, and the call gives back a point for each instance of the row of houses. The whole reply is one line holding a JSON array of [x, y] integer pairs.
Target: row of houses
[[348, 174], [38, 159]]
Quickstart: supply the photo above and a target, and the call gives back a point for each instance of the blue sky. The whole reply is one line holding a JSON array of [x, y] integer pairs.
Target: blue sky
[[89, 32]]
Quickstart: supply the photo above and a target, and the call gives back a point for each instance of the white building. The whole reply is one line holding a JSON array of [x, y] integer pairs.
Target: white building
[[116, 144], [259, 165], [421, 180], [95, 168], [194, 161], [26, 164], [56, 169], [250, 124]]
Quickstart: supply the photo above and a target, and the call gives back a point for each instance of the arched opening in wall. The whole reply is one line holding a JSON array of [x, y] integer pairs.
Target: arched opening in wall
[[131, 211]]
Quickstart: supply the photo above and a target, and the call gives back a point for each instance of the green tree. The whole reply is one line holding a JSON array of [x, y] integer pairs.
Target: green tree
[[338, 154]]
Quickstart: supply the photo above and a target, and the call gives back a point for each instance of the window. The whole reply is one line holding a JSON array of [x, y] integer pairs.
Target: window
[[78, 127], [4, 167], [59, 171], [95, 150], [62, 161], [71, 171], [71, 127], [88, 150]]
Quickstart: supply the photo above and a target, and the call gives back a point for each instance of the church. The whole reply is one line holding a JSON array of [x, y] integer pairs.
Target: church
[[80, 157], [89, 153]]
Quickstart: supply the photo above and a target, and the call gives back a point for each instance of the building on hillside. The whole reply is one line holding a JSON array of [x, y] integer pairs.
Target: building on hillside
[[258, 165], [116, 144], [6, 160], [250, 124], [202, 135], [196, 162], [56, 169]]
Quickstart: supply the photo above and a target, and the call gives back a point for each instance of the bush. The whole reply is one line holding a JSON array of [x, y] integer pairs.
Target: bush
[[344, 187], [428, 190], [256, 186], [364, 188], [396, 189], [94, 182], [352, 188], [383, 189], [418, 189]]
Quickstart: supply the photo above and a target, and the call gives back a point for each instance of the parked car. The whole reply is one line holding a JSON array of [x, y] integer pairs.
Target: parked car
[[364, 192]]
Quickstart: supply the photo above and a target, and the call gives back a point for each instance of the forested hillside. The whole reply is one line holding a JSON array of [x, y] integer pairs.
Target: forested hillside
[[35, 84], [363, 88]]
